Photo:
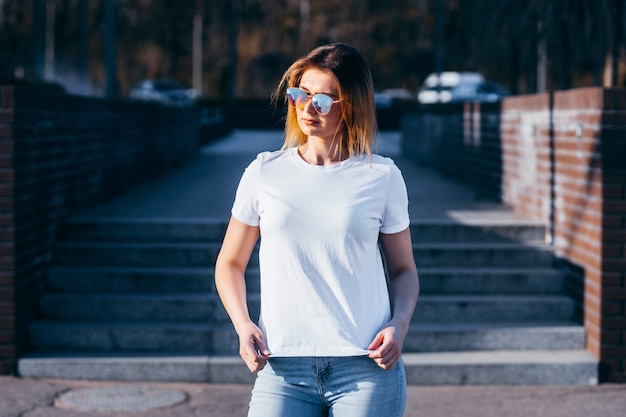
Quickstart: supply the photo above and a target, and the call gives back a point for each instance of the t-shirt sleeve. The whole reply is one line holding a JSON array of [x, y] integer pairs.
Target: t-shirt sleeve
[[246, 207], [396, 214]]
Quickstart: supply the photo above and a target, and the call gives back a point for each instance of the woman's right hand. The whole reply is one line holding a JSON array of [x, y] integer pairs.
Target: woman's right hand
[[252, 347], [230, 282]]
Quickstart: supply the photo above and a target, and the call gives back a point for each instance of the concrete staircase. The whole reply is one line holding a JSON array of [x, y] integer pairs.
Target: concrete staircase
[[135, 300]]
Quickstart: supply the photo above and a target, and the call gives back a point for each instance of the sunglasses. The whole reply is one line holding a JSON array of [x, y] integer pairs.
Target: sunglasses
[[298, 98]]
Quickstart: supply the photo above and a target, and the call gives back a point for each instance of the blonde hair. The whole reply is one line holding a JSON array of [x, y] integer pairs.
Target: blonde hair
[[357, 129]]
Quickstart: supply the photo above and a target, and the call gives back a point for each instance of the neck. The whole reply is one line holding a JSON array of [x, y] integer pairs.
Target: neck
[[320, 152]]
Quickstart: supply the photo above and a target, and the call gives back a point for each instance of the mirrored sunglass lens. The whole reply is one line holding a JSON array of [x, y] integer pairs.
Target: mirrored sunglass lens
[[322, 103], [296, 97]]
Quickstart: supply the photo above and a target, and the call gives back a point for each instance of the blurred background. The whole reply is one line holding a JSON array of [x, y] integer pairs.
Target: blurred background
[[226, 50]]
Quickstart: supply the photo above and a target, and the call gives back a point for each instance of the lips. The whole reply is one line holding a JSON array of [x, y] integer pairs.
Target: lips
[[309, 122]]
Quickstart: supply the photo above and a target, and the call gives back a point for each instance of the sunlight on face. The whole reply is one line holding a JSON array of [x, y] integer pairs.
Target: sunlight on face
[[311, 122]]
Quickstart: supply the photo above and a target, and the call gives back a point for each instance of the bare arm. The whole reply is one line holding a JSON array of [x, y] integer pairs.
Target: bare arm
[[403, 292], [230, 268]]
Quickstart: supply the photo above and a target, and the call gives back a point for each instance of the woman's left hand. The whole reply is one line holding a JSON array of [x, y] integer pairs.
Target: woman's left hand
[[387, 347], [403, 291]]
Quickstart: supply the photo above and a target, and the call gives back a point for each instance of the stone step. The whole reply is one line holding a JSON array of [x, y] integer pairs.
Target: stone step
[[519, 280], [172, 337], [498, 308], [136, 279], [501, 368], [476, 231], [478, 254], [206, 307], [212, 230], [493, 336], [138, 367], [185, 255], [490, 280], [203, 338], [143, 230], [449, 368], [171, 255], [202, 307]]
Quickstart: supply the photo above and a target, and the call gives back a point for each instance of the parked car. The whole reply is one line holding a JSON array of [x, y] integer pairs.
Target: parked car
[[450, 87], [387, 98], [490, 92], [169, 92]]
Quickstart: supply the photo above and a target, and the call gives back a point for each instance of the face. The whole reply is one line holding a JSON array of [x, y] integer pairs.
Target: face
[[310, 121]]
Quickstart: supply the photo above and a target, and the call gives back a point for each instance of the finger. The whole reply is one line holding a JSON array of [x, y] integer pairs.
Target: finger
[[256, 366], [378, 340], [386, 363], [248, 351], [386, 356], [255, 362], [261, 347], [383, 350]]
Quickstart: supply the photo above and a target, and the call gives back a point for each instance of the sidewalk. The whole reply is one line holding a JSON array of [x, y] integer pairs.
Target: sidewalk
[[204, 188], [35, 398]]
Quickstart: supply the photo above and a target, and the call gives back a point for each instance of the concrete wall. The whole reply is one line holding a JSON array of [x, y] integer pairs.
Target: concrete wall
[[559, 158], [60, 154]]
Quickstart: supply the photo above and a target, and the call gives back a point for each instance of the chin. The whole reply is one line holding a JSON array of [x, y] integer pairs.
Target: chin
[[306, 129]]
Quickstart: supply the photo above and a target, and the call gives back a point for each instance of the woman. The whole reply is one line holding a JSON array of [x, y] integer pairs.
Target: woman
[[334, 310]]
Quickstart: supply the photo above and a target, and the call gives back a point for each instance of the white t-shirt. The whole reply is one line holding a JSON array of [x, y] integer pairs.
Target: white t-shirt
[[323, 284]]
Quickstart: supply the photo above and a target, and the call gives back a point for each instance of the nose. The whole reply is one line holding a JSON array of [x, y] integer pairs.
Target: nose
[[308, 106]]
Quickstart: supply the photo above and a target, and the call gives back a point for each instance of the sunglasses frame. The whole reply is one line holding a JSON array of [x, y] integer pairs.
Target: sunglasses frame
[[295, 95]]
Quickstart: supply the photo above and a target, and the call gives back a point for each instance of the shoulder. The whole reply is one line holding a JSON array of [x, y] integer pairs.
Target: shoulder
[[382, 163], [268, 157]]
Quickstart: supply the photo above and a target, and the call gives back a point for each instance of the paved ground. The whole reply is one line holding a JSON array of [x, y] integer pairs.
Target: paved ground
[[205, 188], [35, 398]]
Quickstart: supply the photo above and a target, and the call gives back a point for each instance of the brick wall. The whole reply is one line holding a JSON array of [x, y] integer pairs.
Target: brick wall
[[60, 154], [563, 162]]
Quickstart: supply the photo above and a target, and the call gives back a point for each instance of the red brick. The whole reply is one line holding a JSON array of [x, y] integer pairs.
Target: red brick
[[593, 346], [7, 277], [613, 220], [6, 131], [613, 192], [612, 279], [614, 98], [614, 235], [612, 364], [612, 250], [579, 98], [7, 262], [614, 323], [7, 336], [6, 115], [615, 264], [6, 96], [614, 338], [7, 366], [616, 377], [612, 308], [6, 293], [6, 308], [612, 351], [614, 206], [7, 322], [6, 219], [7, 351]]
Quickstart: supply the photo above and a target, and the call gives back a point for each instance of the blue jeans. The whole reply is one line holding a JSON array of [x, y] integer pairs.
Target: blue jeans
[[352, 386]]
